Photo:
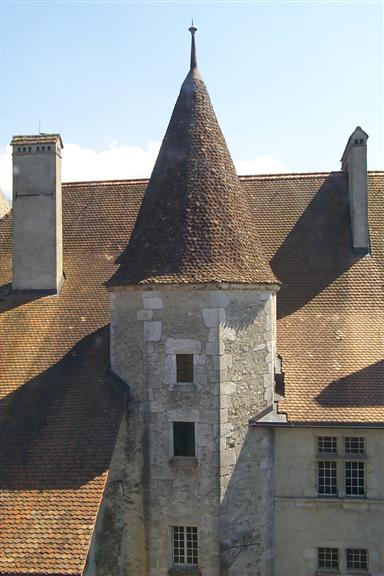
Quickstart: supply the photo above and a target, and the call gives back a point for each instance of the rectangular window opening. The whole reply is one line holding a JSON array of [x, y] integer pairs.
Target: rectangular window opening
[[354, 478], [185, 545], [184, 368], [328, 558], [354, 445], [327, 444], [327, 478], [184, 439], [357, 559]]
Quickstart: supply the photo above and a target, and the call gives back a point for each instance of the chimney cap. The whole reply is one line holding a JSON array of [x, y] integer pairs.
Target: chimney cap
[[357, 138], [41, 138]]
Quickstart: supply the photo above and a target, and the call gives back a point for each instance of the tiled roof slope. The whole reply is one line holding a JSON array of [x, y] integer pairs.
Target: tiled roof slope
[[330, 330], [58, 410], [4, 204], [193, 225]]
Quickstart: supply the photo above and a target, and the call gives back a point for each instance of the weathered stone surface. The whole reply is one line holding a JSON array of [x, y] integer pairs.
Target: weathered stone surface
[[37, 253], [153, 303], [152, 331], [224, 490]]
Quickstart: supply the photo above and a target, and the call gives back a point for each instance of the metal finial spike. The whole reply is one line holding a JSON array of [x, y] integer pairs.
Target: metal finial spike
[[193, 30]]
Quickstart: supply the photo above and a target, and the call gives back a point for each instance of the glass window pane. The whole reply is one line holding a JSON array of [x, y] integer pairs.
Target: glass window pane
[[185, 545], [328, 558], [184, 438], [327, 478], [354, 478], [184, 367], [327, 444], [354, 445], [357, 559]]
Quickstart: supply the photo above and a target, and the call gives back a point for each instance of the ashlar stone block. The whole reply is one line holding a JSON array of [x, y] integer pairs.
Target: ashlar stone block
[[144, 315], [213, 316], [152, 331], [152, 302]]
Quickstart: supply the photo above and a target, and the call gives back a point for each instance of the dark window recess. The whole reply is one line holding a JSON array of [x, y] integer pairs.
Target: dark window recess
[[184, 438], [279, 376], [184, 367]]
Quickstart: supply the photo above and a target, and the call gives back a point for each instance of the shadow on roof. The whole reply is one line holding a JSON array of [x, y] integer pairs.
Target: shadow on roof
[[317, 250], [10, 300], [58, 430], [362, 388]]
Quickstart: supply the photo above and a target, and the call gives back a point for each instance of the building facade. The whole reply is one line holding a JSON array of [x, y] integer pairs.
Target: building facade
[[193, 365]]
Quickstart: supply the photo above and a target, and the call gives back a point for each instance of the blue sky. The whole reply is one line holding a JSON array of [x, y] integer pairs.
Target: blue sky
[[289, 81]]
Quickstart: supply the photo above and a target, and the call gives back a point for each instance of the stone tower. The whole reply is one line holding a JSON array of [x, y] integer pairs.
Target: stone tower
[[37, 213], [193, 335]]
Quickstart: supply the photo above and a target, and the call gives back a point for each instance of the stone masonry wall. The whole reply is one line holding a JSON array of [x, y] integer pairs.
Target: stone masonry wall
[[223, 491], [248, 341]]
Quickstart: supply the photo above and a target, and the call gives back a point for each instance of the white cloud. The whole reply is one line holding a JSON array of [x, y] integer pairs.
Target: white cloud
[[119, 162], [6, 171], [115, 163], [261, 165]]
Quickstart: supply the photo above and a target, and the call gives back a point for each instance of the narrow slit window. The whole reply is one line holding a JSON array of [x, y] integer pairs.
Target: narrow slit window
[[184, 367], [184, 439]]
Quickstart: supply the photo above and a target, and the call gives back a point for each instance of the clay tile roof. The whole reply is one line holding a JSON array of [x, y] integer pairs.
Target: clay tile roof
[[59, 411], [193, 225], [4, 204], [331, 304]]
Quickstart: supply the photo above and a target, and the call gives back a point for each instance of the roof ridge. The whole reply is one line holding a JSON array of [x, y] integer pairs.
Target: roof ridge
[[275, 176], [286, 175], [111, 182]]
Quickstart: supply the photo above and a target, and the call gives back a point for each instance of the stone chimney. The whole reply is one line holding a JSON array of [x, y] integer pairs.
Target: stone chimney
[[37, 217], [354, 163]]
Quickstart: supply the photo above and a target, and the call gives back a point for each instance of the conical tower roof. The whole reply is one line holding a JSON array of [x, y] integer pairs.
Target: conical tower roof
[[193, 224]]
